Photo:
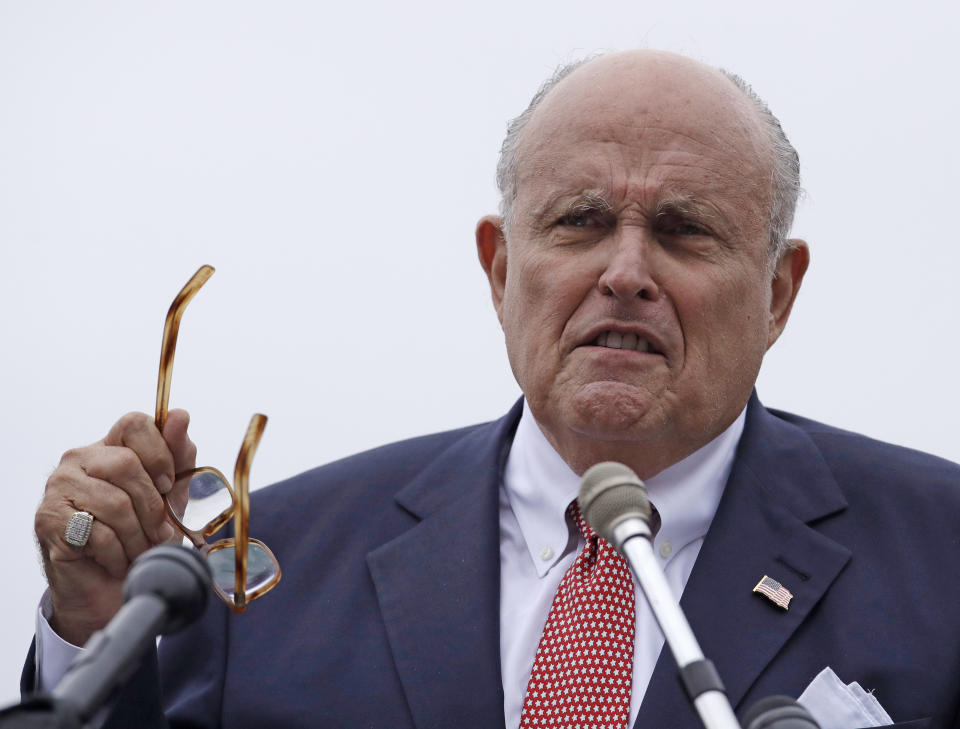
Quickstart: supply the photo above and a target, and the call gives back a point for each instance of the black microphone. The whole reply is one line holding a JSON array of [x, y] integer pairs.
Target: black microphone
[[166, 589], [778, 712], [614, 502]]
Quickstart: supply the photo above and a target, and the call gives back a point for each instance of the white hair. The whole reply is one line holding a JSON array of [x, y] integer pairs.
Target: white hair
[[785, 183]]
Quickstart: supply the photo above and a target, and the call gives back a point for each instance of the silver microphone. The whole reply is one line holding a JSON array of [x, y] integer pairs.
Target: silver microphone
[[610, 495], [614, 502]]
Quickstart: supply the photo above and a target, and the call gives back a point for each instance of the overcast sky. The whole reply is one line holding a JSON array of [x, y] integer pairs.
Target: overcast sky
[[331, 162]]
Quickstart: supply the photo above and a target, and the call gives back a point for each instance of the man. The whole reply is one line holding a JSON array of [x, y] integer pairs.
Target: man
[[640, 270]]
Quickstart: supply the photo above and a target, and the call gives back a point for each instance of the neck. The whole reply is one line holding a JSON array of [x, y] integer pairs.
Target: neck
[[645, 454]]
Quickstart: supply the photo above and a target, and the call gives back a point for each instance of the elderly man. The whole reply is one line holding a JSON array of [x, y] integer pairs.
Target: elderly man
[[640, 270]]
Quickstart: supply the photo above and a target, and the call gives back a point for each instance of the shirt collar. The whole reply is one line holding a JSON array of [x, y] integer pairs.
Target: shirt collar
[[540, 485], [540, 511]]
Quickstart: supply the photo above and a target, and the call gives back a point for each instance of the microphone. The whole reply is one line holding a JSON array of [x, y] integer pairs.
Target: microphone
[[614, 502], [778, 712], [165, 590]]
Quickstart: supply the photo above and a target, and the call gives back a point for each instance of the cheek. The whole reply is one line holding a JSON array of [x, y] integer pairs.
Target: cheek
[[725, 319], [524, 307], [540, 297]]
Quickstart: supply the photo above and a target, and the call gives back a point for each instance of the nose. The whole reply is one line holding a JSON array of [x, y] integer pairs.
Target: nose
[[627, 273]]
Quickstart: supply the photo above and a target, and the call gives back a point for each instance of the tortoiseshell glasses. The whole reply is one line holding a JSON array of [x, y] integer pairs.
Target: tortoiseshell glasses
[[243, 568]]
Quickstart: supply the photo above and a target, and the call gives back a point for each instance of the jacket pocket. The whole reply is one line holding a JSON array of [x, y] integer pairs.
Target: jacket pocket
[[912, 724]]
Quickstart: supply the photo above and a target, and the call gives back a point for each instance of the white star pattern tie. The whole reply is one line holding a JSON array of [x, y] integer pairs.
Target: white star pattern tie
[[584, 664]]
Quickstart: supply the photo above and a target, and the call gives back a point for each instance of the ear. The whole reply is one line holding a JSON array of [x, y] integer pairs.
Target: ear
[[492, 252], [787, 277]]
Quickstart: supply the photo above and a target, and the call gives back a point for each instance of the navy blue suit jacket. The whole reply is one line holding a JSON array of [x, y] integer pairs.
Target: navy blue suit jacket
[[388, 612]]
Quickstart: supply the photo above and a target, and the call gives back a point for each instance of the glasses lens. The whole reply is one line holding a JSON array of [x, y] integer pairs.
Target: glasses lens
[[261, 569], [209, 500]]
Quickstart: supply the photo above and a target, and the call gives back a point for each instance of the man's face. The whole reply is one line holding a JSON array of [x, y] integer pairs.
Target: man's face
[[632, 284]]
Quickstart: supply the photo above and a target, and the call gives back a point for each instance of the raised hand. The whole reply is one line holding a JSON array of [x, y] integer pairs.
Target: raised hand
[[118, 480]]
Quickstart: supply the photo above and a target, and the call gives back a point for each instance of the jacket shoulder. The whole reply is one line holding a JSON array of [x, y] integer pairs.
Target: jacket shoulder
[[362, 480], [859, 461]]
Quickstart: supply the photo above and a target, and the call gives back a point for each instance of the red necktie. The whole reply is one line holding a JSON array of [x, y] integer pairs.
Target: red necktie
[[584, 665]]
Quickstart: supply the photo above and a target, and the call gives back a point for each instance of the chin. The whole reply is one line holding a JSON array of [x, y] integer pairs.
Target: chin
[[613, 411]]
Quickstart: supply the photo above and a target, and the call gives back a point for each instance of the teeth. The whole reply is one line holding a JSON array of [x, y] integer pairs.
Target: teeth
[[616, 340]]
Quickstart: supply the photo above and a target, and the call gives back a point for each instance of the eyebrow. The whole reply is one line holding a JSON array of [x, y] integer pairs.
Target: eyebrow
[[581, 202], [685, 206], [587, 201]]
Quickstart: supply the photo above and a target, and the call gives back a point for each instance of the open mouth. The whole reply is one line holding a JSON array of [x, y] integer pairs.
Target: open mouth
[[618, 340]]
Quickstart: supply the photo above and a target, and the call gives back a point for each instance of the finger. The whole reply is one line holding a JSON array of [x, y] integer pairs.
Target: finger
[[74, 490], [121, 468], [106, 549], [175, 434], [138, 432], [104, 546], [50, 527], [110, 483], [184, 455]]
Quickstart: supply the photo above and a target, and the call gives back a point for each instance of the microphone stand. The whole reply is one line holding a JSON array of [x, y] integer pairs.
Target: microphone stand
[[631, 537], [166, 589]]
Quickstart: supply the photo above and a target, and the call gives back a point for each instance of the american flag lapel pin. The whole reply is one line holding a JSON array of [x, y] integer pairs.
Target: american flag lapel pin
[[775, 592]]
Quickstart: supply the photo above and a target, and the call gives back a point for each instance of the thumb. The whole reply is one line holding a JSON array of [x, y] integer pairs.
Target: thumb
[[184, 455], [175, 434]]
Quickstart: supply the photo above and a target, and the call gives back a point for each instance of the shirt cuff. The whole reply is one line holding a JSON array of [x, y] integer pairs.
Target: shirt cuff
[[53, 655]]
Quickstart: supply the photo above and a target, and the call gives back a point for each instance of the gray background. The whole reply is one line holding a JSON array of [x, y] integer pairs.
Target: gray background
[[331, 161]]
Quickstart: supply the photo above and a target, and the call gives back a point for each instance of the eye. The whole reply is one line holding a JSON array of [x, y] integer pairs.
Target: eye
[[671, 224], [689, 229], [591, 218]]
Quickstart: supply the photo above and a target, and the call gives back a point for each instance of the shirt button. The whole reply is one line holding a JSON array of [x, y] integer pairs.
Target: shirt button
[[546, 553], [665, 549]]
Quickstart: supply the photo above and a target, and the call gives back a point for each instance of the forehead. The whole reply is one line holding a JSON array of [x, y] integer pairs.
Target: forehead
[[637, 124]]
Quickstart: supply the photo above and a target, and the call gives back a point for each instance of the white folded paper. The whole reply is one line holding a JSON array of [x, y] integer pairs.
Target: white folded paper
[[836, 705]]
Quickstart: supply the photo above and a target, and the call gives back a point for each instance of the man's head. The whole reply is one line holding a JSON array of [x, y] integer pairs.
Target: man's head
[[641, 206]]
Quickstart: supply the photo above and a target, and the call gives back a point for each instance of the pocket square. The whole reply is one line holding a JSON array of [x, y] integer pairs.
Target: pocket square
[[836, 705]]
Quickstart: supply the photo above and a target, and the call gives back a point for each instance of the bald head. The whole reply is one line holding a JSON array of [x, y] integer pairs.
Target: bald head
[[650, 89]]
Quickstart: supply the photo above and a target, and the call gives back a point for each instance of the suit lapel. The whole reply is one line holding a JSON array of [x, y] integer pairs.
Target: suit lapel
[[438, 585], [779, 483]]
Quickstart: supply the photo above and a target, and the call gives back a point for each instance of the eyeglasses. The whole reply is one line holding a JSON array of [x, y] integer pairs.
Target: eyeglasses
[[243, 568]]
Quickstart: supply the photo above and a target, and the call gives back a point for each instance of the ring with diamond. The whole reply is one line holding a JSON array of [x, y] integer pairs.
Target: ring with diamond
[[78, 529]]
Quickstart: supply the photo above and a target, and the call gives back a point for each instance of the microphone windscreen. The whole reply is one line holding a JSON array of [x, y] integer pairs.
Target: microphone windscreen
[[778, 712], [180, 576], [609, 493]]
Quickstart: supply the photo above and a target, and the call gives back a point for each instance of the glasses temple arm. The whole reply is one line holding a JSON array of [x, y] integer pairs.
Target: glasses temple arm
[[241, 518], [171, 327]]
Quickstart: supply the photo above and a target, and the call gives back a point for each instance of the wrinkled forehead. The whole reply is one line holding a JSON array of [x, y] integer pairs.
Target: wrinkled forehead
[[648, 104]]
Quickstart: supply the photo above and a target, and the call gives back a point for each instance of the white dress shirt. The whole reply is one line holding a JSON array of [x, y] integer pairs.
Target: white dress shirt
[[537, 546]]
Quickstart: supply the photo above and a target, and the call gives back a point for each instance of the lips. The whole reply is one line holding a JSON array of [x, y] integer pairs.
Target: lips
[[631, 336], [618, 340]]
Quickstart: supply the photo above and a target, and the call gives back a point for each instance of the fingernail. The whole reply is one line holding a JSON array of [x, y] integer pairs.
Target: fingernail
[[166, 532], [164, 484]]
